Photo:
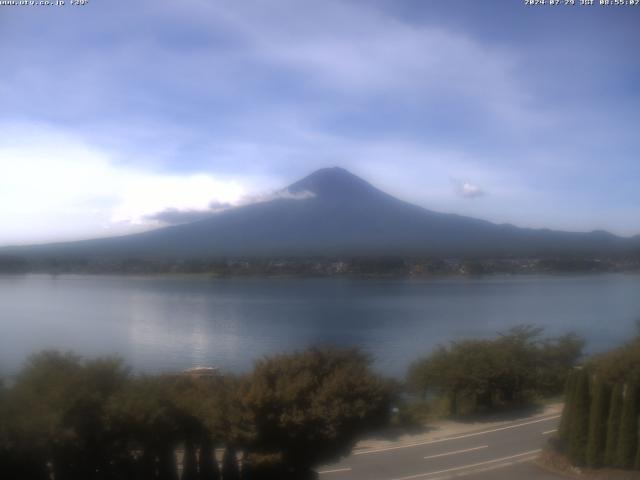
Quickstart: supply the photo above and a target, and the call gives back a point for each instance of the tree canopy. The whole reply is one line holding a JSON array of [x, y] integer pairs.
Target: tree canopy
[[85, 420], [506, 370], [312, 405]]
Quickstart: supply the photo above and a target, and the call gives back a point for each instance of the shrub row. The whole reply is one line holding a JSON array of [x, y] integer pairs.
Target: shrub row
[[70, 419], [601, 419], [513, 369]]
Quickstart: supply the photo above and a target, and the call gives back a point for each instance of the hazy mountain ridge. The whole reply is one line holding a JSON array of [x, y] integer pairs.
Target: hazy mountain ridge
[[335, 212]]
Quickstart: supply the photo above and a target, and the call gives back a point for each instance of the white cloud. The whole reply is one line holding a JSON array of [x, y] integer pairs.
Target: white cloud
[[143, 194], [278, 194], [469, 190], [379, 55], [176, 216], [53, 186]]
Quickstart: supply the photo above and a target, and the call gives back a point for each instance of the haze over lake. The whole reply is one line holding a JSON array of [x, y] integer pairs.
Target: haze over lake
[[172, 323]]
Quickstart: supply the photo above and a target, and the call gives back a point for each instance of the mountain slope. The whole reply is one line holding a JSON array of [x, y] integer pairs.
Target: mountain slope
[[334, 212]]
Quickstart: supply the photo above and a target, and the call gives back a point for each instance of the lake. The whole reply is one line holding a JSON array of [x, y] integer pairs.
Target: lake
[[172, 323]]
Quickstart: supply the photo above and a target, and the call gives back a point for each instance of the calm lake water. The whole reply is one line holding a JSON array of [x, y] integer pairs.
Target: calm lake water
[[172, 323]]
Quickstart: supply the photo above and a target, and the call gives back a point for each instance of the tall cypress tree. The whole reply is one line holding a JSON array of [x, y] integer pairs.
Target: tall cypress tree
[[246, 470], [628, 439], [579, 427], [613, 425], [598, 423], [230, 469], [189, 462], [167, 467], [207, 462], [567, 412]]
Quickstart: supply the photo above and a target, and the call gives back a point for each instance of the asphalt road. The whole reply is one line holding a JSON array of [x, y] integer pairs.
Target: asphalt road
[[503, 452]]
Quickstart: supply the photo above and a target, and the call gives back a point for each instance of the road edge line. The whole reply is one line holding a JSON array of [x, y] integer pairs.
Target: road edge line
[[448, 439]]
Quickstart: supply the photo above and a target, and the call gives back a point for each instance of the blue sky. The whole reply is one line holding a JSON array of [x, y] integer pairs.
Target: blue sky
[[117, 110]]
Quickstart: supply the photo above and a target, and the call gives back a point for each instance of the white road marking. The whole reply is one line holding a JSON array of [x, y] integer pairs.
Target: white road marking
[[472, 465], [468, 435], [337, 470], [550, 431], [456, 452], [489, 468]]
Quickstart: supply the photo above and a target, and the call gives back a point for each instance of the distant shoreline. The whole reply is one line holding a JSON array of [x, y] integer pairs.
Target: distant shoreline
[[358, 267]]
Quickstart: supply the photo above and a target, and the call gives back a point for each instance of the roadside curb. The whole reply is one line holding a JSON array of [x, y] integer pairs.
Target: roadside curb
[[587, 474], [453, 436], [539, 463]]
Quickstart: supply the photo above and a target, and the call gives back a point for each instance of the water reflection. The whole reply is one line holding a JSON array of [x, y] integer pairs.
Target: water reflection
[[159, 323]]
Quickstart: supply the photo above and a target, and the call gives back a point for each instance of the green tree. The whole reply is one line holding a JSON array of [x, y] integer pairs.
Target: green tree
[[263, 467], [613, 425], [311, 406], [469, 373], [189, 462], [518, 353], [620, 365], [230, 469], [509, 370], [557, 357], [580, 420], [433, 374], [19, 457], [598, 423], [628, 436], [55, 412], [565, 422], [145, 415], [207, 462]]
